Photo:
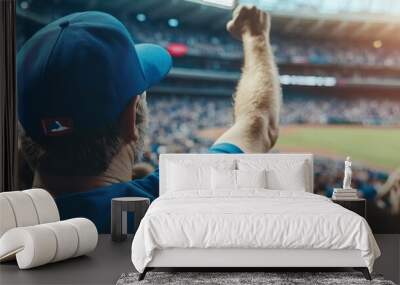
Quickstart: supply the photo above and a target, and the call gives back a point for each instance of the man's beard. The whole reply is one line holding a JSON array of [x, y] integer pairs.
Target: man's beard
[[141, 126]]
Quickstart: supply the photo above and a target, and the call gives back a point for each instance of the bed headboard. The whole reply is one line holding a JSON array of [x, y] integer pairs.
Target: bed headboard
[[171, 157]]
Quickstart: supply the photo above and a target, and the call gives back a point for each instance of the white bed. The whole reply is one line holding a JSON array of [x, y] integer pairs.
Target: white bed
[[248, 227]]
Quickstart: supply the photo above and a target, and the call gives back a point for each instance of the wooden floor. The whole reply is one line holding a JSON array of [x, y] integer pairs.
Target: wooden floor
[[110, 260], [389, 262]]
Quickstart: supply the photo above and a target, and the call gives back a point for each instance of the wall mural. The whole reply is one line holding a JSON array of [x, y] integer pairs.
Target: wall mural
[[87, 123]]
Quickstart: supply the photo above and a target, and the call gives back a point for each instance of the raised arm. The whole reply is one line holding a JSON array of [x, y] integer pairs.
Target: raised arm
[[258, 94]]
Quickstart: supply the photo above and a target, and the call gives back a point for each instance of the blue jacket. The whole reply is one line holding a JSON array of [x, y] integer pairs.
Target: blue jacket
[[96, 204]]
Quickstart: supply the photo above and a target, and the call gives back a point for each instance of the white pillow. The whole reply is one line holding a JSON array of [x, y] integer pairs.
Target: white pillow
[[223, 179], [192, 175], [251, 178], [293, 180], [281, 174], [185, 178], [230, 180]]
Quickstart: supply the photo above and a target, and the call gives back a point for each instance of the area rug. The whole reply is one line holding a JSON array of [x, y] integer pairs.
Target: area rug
[[243, 278]]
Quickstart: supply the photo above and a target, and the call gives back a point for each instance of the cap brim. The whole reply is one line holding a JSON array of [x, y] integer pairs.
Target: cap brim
[[156, 62]]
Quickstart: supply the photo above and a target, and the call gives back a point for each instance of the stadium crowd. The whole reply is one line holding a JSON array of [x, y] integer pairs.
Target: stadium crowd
[[334, 111], [176, 120], [296, 51], [287, 51], [175, 123]]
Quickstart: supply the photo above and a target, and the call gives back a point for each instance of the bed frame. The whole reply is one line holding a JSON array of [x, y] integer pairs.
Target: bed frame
[[245, 259]]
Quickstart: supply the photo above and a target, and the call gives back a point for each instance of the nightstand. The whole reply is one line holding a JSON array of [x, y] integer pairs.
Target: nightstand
[[119, 208], [357, 205]]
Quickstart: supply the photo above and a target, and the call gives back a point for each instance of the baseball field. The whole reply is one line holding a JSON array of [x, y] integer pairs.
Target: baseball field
[[375, 147]]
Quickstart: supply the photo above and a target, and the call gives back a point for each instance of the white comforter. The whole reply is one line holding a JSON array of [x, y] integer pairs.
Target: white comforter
[[250, 219]]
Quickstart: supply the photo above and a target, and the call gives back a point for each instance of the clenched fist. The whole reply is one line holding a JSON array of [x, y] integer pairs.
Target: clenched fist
[[248, 20]]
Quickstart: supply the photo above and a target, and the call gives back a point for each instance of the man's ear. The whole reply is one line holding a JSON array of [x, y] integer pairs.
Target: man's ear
[[128, 121]]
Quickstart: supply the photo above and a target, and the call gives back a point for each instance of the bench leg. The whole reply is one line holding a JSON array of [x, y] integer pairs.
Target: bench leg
[[143, 274], [364, 271]]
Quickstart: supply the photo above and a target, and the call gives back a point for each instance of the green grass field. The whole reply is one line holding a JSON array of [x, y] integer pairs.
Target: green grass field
[[376, 147]]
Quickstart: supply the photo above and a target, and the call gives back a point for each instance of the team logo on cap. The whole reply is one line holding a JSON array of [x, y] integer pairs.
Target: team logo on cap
[[57, 126]]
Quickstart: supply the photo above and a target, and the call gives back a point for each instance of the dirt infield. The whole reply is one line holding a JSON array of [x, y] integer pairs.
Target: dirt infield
[[375, 147]]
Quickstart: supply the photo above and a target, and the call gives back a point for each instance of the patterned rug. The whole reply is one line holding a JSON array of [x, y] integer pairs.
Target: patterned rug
[[243, 278]]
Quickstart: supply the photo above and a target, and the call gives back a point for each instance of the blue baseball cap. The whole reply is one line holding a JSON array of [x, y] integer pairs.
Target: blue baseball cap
[[79, 73]]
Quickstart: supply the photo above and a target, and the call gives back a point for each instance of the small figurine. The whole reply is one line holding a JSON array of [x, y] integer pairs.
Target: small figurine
[[347, 174]]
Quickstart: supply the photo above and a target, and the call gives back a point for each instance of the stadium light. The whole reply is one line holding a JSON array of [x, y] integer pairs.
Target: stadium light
[[173, 23], [226, 4], [141, 17], [377, 44], [24, 5], [305, 80]]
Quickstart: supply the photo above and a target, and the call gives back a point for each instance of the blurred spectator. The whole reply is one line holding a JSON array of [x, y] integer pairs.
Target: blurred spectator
[[141, 169], [389, 193]]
